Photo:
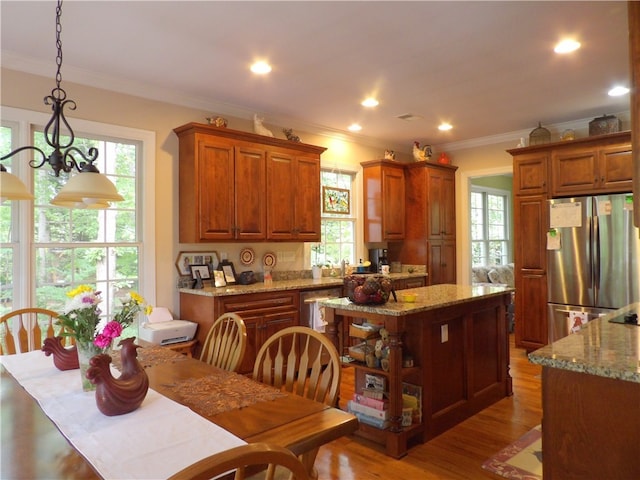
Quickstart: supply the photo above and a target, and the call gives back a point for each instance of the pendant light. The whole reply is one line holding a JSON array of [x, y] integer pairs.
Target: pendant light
[[88, 188]]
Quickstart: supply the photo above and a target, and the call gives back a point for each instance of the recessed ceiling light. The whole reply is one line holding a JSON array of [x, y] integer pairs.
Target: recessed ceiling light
[[618, 91], [261, 68], [370, 102], [444, 126], [566, 46], [354, 127]]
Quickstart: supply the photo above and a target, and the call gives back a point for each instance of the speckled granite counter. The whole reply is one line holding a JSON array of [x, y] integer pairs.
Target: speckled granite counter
[[279, 285], [428, 298], [590, 398], [601, 348]]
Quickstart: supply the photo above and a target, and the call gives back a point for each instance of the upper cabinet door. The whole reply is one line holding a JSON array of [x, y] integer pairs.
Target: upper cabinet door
[[307, 199], [213, 187], [293, 193], [384, 197], [530, 173], [250, 193]]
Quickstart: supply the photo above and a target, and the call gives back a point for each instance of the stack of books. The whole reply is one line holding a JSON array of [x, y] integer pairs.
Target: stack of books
[[370, 406]]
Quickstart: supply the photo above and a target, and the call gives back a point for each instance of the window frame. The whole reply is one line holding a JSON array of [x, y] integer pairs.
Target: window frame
[[508, 219], [351, 217], [23, 122]]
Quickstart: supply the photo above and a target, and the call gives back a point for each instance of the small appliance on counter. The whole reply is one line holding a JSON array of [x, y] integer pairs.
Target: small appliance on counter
[[378, 257], [161, 328]]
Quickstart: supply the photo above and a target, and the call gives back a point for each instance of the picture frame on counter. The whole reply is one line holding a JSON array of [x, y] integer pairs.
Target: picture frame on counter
[[229, 272], [218, 276], [186, 259], [200, 271]]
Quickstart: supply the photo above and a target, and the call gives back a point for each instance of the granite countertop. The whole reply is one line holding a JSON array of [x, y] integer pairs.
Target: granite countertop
[[600, 348], [279, 285], [427, 298]]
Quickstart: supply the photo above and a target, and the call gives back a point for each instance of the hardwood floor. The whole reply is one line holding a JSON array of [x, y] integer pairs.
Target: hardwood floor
[[457, 453]]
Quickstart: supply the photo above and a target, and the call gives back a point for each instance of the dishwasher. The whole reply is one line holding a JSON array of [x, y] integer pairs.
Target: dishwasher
[[312, 314]]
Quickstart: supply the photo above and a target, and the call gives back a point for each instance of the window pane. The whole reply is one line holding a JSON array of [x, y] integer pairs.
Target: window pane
[[338, 230]]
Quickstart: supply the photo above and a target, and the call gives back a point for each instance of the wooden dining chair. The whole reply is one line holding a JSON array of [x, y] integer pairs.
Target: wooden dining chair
[[301, 361], [240, 458], [304, 362], [226, 342], [27, 324]]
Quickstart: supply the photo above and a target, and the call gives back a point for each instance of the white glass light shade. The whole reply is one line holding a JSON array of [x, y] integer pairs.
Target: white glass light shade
[[12, 188], [94, 190]]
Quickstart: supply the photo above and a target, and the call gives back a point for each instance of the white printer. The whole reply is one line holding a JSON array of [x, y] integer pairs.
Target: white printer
[[161, 328]]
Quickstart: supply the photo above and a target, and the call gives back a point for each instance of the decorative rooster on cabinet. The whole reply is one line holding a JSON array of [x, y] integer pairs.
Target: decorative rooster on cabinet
[[117, 396], [421, 154]]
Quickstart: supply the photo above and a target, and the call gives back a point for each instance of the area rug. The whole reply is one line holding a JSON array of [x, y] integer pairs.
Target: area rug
[[522, 460]]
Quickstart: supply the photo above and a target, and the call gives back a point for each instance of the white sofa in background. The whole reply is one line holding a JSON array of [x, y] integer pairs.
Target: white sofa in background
[[496, 275]]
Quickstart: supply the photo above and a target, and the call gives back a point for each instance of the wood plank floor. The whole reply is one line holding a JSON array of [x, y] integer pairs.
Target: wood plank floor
[[457, 454]]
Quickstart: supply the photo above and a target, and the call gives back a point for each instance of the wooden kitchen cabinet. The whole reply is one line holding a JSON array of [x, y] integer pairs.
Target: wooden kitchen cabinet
[[225, 192], [293, 207], [384, 207], [530, 275], [263, 314], [586, 166], [596, 165], [430, 237], [530, 172]]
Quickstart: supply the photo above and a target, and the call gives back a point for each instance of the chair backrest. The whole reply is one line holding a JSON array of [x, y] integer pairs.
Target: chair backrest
[[225, 343], [253, 454], [27, 324], [301, 361]]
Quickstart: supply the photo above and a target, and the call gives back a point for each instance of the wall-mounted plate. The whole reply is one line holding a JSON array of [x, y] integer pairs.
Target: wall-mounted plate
[[247, 256], [269, 260]]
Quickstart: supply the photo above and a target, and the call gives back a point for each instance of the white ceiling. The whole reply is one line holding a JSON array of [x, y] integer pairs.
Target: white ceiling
[[486, 67]]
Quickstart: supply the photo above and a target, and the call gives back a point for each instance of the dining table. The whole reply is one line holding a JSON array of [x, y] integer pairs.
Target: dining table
[[36, 447]]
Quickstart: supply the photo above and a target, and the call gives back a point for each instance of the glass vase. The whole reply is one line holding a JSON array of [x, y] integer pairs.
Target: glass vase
[[86, 350]]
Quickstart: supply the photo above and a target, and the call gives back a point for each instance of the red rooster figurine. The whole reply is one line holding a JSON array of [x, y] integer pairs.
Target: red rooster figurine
[[117, 396], [63, 358]]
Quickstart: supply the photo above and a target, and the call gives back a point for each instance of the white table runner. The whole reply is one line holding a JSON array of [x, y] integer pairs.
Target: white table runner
[[153, 442]]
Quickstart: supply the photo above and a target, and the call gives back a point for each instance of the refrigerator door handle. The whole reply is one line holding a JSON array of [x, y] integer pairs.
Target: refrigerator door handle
[[596, 252]]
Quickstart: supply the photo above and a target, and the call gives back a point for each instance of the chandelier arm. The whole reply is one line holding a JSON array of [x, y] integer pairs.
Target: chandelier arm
[[33, 162], [86, 165]]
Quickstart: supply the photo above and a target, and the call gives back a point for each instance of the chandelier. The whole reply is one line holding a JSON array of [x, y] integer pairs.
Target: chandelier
[[88, 188]]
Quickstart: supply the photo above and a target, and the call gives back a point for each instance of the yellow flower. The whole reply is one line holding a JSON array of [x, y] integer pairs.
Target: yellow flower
[[79, 290]]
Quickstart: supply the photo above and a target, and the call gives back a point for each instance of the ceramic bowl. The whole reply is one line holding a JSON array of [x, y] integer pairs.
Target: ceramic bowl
[[408, 297]]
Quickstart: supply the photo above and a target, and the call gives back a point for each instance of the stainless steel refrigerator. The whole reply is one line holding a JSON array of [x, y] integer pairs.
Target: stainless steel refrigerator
[[593, 260]]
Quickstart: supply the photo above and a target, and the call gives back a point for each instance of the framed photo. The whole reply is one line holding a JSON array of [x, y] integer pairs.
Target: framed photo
[[218, 275], [186, 259], [201, 271], [229, 272], [335, 200]]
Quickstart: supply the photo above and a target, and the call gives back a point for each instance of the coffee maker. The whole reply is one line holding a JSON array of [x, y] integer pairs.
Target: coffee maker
[[378, 257]]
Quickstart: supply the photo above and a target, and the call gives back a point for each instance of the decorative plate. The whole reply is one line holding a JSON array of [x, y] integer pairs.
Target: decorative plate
[[269, 260], [247, 256]]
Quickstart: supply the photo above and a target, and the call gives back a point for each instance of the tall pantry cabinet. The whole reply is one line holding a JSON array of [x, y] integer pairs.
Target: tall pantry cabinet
[[430, 231]]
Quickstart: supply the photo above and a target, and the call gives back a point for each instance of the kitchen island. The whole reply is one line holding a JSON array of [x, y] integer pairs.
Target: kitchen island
[[591, 401], [456, 338]]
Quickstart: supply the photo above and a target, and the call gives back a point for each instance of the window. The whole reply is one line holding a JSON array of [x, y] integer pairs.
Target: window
[[63, 248], [489, 227], [338, 229]]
